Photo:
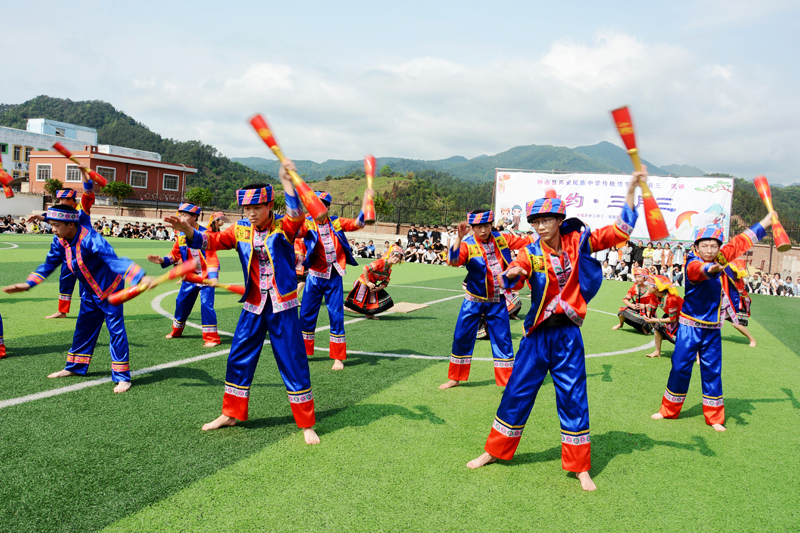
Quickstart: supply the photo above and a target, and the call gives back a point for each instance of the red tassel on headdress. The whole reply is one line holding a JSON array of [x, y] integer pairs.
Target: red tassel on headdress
[[550, 193]]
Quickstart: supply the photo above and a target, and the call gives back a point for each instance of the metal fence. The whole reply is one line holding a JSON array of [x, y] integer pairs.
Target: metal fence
[[792, 230], [402, 214]]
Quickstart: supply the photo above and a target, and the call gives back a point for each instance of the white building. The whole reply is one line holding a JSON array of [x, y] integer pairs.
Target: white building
[[16, 145]]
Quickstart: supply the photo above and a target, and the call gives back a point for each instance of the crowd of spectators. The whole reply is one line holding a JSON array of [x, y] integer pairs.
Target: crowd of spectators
[[9, 225], [775, 286]]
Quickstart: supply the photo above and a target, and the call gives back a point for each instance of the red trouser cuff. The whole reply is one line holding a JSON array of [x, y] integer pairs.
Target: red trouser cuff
[[714, 414], [576, 458], [2, 350], [304, 414], [309, 347], [63, 306], [177, 332], [235, 406], [501, 446], [458, 371], [212, 337], [339, 350], [670, 409], [501, 375]]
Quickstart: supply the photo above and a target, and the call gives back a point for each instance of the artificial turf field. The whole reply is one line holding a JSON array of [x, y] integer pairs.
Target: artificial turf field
[[394, 446]]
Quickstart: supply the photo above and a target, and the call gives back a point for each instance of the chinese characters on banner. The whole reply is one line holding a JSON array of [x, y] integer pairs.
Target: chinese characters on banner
[[687, 203]]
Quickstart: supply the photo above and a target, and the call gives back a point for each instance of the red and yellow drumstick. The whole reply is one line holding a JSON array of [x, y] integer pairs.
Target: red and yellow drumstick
[[779, 235], [656, 226], [312, 203], [369, 209], [194, 278], [95, 177], [5, 180], [124, 295]]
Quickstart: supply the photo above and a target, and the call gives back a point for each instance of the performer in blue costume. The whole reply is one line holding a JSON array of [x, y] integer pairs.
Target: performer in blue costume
[[564, 277], [100, 272], [206, 266], [486, 254], [68, 197], [265, 243], [2, 342], [704, 309]]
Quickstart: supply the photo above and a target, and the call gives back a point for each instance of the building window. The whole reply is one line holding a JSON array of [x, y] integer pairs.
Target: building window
[[61, 132], [171, 182], [43, 172], [16, 175], [17, 153], [28, 150], [73, 173], [3, 148], [108, 173], [138, 179]]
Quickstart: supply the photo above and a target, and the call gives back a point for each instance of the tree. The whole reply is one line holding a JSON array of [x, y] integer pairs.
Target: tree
[[199, 196], [382, 206], [52, 185], [118, 190], [387, 171]]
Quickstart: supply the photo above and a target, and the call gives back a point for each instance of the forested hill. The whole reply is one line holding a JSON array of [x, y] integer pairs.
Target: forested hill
[[214, 171], [602, 157]]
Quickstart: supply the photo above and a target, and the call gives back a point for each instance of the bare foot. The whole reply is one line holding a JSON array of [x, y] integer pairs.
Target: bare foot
[[654, 354], [618, 326], [59, 314], [211, 344], [338, 365], [586, 481], [171, 336], [223, 421], [697, 360], [310, 436], [657, 416], [450, 384], [62, 374], [372, 317], [753, 343], [484, 459], [718, 427], [122, 386]]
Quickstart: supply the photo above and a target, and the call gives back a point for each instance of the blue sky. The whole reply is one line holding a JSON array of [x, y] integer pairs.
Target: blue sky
[[710, 83]]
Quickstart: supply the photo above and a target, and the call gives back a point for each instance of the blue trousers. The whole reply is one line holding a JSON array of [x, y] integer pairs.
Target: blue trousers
[[497, 324], [66, 286], [690, 341], [287, 347], [333, 292], [93, 313], [187, 296], [2, 342], [559, 350]]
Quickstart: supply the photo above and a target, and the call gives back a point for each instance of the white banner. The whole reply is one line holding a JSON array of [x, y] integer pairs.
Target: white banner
[[686, 203]]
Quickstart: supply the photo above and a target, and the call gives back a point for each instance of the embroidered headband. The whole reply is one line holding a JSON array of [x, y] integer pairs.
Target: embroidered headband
[[661, 283], [66, 193], [216, 215], [549, 205], [474, 219], [710, 232], [63, 214], [190, 208], [641, 272], [263, 195], [324, 196]]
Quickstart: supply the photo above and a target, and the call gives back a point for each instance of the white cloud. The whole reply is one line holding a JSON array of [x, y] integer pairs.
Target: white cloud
[[718, 117]]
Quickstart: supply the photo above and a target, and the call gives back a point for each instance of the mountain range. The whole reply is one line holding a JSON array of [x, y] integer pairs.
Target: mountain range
[[603, 157]]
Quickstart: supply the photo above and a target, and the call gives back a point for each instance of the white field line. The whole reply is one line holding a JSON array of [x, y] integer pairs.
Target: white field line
[[156, 305], [11, 244]]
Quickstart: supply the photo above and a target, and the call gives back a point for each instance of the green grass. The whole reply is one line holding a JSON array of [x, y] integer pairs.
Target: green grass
[[393, 445]]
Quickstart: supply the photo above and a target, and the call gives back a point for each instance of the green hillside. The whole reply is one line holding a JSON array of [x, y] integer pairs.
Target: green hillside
[[614, 156], [683, 170], [214, 171]]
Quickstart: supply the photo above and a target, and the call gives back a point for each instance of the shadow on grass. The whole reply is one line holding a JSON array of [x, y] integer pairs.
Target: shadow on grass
[[737, 408], [609, 445], [39, 349], [353, 416], [200, 378], [605, 375]]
